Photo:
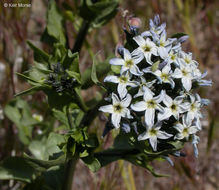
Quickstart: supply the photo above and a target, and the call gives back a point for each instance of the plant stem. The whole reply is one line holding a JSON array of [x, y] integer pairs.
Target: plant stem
[[69, 172], [80, 101], [69, 116], [91, 115], [81, 36]]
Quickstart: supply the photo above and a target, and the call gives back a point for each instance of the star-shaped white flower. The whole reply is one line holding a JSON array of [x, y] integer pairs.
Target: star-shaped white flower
[[149, 105], [184, 73], [154, 133], [164, 75], [123, 81], [173, 107], [144, 85], [146, 49], [185, 129], [118, 109], [187, 58], [127, 63], [194, 108]]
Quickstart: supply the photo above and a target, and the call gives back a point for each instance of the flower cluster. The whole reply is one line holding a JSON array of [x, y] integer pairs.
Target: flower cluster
[[60, 80], [154, 91]]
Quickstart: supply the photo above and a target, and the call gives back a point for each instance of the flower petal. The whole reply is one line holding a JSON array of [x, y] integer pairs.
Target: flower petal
[[117, 61], [127, 54], [122, 90], [153, 142], [115, 99], [167, 100], [135, 71], [165, 114], [149, 117], [107, 109], [139, 40], [111, 78], [116, 118], [148, 95], [193, 130], [126, 101], [187, 83], [177, 73], [163, 52], [163, 135], [139, 106], [138, 55], [143, 136], [126, 113]]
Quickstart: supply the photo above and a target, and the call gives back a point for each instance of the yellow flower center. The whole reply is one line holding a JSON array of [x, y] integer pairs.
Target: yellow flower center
[[185, 132], [151, 104], [123, 79], [184, 72], [153, 132], [147, 48], [173, 57], [174, 107], [164, 76], [187, 60], [129, 63], [117, 108]]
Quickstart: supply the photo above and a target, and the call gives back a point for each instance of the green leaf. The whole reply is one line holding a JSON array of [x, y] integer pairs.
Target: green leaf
[[155, 66], [74, 75], [29, 91], [101, 70], [29, 79], [98, 13], [45, 148], [61, 116], [16, 168], [178, 35], [94, 75], [54, 23], [71, 61], [39, 55], [116, 69], [19, 112], [92, 163]]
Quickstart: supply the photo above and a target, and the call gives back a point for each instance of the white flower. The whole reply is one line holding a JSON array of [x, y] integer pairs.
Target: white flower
[[184, 73], [165, 75], [154, 133], [173, 107], [195, 141], [149, 105], [118, 109], [123, 81], [144, 85], [127, 63], [187, 58], [146, 49], [194, 108], [37, 117], [185, 129]]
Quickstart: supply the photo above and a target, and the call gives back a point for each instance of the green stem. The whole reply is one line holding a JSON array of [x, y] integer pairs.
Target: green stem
[[69, 173], [69, 116], [81, 36], [91, 114], [80, 101]]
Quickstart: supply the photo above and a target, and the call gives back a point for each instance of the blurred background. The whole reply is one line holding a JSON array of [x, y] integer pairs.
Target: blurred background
[[198, 18]]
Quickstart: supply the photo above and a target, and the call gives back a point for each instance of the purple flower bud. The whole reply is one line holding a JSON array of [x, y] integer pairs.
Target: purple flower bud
[[183, 39]]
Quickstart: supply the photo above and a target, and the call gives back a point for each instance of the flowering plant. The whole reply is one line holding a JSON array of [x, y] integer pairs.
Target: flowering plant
[[148, 95], [155, 98]]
